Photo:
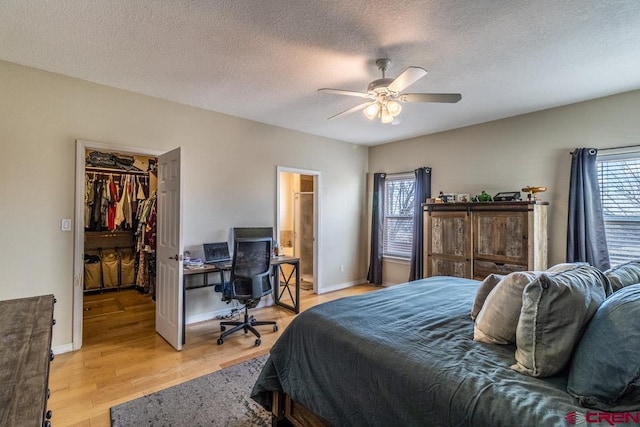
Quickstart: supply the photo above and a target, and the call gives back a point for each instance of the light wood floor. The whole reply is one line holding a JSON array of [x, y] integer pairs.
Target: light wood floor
[[123, 358]]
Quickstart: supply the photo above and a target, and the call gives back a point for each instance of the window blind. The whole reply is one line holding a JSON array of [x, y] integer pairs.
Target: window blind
[[398, 216], [619, 180]]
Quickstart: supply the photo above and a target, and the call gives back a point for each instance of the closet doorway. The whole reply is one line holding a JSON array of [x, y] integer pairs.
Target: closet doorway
[[298, 221], [115, 242]]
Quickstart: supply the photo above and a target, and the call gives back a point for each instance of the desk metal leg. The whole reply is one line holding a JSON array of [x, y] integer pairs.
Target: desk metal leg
[[285, 286], [298, 287]]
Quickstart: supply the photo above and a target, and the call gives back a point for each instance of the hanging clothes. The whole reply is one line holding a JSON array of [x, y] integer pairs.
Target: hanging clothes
[[140, 193], [145, 211], [150, 229], [119, 201], [119, 218], [114, 196], [127, 191], [88, 198], [96, 218], [111, 204], [104, 204], [146, 217]]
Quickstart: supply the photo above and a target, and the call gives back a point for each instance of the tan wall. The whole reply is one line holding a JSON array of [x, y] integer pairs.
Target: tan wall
[[229, 179], [509, 154]]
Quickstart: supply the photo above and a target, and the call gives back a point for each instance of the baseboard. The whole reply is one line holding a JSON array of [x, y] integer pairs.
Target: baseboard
[[64, 348], [340, 286]]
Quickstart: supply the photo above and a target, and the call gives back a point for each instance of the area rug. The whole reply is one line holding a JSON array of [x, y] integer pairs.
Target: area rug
[[217, 399]]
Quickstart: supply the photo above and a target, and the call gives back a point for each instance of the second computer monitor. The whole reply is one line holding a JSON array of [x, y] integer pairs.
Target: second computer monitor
[[248, 232]]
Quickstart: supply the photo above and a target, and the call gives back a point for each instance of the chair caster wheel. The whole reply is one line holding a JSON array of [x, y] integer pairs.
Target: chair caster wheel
[[222, 328], [275, 328], [258, 342], [220, 341]]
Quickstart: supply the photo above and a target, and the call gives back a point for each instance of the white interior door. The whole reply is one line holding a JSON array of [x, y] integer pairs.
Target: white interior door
[[169, 248]]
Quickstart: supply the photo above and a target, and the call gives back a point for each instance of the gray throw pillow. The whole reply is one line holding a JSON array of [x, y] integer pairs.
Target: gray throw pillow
[[624, 275], [555, 309], [497, 321], [564, 266], [485, 287], [605, 370]]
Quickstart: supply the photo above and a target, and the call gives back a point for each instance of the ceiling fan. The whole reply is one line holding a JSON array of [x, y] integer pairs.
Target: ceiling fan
[[385, 94]]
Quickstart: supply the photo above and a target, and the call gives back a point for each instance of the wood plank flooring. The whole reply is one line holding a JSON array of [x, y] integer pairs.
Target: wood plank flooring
[[123, 358]]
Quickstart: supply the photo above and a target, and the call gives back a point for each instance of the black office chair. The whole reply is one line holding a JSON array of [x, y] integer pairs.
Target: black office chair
[[250, 281]]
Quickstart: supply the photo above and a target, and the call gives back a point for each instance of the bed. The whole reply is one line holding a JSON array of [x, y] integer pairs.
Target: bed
[[405, 356]]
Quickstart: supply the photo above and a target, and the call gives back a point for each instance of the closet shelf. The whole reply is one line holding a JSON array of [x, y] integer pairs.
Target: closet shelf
[[114, 171]]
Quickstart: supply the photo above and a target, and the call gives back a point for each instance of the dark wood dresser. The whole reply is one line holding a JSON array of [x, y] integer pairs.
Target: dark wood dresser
[[25, 355]]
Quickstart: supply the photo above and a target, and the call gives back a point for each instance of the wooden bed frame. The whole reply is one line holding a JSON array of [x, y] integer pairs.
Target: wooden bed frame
[[287, 412]]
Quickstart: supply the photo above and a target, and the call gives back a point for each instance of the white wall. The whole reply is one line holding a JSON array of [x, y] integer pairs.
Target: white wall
[[509, 154], [229, 179]]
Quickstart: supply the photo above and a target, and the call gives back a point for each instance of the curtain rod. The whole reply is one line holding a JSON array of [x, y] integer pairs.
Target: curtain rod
[[411, 172], [612, 148], [619, 148]]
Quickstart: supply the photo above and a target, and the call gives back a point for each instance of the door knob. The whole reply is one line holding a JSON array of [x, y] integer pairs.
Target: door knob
[[176, 257]]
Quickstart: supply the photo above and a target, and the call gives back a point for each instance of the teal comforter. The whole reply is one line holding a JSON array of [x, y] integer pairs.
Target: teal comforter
[[405, 356]]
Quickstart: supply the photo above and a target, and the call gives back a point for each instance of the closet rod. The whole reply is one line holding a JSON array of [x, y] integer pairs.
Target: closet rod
[[96, 169]]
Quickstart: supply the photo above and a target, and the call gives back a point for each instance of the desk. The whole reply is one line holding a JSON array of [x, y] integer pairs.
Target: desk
[[205, 271], [283, 294]]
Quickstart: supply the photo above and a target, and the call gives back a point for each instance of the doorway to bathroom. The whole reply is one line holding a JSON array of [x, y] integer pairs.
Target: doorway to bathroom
[[297, 221]]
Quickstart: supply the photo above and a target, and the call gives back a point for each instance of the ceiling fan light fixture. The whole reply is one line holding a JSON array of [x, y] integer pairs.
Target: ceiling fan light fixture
[[393, 108], [371, 112], [385, 115]]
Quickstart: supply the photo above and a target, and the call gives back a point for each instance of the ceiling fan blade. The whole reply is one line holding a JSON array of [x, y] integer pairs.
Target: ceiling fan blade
[[345, 92], [430, 97], [352, 110], [407, 78]]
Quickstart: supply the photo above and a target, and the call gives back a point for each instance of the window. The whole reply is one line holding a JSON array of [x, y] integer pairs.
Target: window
[[619, 179], [398, 215]]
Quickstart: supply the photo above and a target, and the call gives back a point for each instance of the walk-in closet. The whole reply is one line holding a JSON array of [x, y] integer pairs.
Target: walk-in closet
[[120, 226]]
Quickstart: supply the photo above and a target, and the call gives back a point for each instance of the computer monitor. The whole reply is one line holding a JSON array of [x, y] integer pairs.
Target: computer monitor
[[216, 252], [248, 232]]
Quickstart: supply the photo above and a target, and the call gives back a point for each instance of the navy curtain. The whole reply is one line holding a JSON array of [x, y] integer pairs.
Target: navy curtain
[[586, 240], [377, 217], [422, 192]]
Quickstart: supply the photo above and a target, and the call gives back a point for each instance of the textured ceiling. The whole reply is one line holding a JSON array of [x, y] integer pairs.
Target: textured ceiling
[[264, 60]]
